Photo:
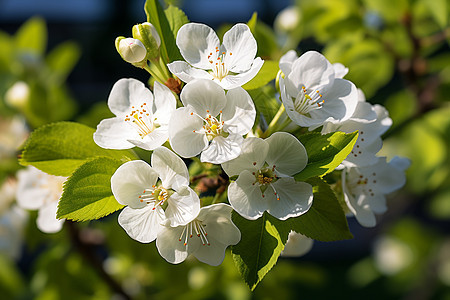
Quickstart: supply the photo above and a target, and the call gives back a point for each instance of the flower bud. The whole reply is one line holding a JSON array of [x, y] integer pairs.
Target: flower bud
[[131, 50], [288, 19], [17, 95], [148, 35]]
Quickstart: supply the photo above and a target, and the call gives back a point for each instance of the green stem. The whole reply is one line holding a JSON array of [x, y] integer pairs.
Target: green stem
[[157, 76], [216, 197], [275, 120]]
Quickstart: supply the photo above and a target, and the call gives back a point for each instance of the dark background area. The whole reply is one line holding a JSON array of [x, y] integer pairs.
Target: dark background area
[[94, 25]]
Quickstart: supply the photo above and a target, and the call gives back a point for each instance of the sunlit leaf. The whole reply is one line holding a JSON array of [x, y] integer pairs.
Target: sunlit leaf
[[87, 193]]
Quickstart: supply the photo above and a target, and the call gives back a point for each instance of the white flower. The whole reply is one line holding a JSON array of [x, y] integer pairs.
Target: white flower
[[211, 122], [265, 182], [288, 19], [40, 191], [12, 220], [18, 94], [311, 92], [365, 187], [141, 119], [151, 204], [231, 64], [12, 225], [297, 245], [206, 237], [371, 121], [13, 132]]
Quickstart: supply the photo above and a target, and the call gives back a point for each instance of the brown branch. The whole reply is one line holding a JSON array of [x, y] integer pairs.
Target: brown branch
[[87, 252]]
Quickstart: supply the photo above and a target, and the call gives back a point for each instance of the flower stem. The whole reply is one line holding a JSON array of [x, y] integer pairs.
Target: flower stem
[[154, 74], [274, 121]]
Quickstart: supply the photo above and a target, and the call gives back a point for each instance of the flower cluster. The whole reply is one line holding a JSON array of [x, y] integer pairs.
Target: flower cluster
[[214, 119]]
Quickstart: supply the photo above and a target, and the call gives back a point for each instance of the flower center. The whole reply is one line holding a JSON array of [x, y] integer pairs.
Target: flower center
[[195, 227], [307, 102], [364, 185], [156, 196], [212, 126], [141, 120], [264, 178], [218, 66]]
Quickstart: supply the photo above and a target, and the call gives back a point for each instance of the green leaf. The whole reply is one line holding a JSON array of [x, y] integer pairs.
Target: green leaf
[[62, 59], [325, 152], [252, 22], [260, 246], [265, 102], [176, 18], [32, 36], [325, 220], [87, 193], [439, 11], [267, 73], [156, 16], [60, 148]]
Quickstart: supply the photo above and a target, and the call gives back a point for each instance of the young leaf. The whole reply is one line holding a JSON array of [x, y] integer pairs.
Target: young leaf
[[325, 152], [156, 16], [87, 193], [265, 102], [260, 246], [62, 59], [32, 36], [176, 18], [325, 220], [60, 148], [267, 73]]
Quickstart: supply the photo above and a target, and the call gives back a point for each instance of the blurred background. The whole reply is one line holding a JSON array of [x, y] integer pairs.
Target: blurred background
[[397, 52]]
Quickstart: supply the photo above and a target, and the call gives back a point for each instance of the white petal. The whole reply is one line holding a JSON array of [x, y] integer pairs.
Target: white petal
[[205, 96], [130, 180], [196, 41], [340, 101], [377, 203], [339, 70], [246, 198], [361, 210], [286, 153], [286, 62], [388, 177], [400, 163], [222, 149], [164, 104], [297, 245], [46, 220], [237, 80], [240, 42], [295, 198], [171, 169], [183, 140], [364, 113], [114, 133], [383, 120], [187, 73], [217, 218], [171, 248], [253, 156], [142, 224], [152, 140], [239, 114], [183, 207], [127, 93], [28, 193], [311, 70]]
